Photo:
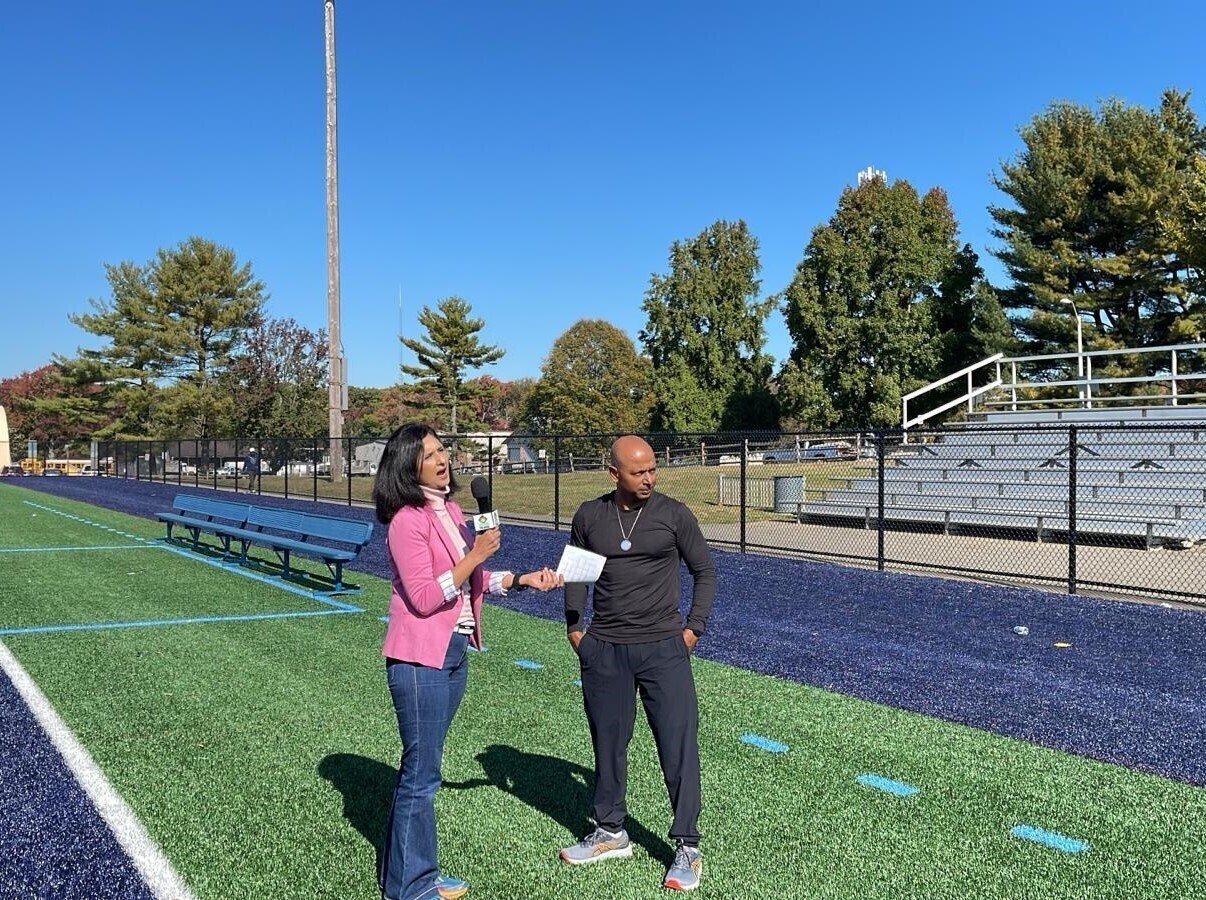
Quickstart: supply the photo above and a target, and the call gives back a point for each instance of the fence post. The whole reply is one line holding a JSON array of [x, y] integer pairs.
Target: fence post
[[1072, 448], [556, 483], [314, 467], [288, 461], [745, 452], [881, 461], [346, 450]]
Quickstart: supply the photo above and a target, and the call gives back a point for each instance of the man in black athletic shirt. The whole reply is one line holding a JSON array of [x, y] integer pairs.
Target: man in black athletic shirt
[[637, 641]]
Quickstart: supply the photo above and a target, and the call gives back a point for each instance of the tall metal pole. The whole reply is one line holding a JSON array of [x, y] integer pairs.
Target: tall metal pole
[[335, 361]]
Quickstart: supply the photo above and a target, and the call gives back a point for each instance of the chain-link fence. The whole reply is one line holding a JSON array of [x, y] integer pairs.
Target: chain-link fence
[[1113, 509]]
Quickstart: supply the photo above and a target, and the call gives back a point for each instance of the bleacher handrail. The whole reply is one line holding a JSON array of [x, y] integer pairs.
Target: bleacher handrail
[[1084, 382]]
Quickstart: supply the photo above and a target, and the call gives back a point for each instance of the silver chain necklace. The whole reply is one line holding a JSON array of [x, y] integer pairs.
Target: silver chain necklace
[[626, 544]]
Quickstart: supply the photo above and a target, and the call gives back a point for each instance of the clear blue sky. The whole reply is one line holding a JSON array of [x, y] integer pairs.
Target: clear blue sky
[[536, 158]]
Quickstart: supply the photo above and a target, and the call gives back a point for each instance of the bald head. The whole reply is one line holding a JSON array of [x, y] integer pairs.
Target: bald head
[[623, 449], [633, 469]]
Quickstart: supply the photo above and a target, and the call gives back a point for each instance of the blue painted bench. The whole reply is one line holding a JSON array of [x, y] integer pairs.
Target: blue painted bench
[[283, 531], [201, 514]]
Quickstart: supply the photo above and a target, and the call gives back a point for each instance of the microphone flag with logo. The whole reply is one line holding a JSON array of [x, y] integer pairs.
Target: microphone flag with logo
[[486, 517]]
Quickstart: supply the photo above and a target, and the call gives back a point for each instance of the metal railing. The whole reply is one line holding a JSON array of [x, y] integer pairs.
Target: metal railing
[[1014, 377]]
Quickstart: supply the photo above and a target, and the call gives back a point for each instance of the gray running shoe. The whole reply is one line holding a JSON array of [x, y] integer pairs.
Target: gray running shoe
[[686, 870], [599, 844]]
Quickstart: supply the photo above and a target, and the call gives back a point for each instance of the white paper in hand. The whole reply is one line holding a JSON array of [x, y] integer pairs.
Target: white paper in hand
[[578, 565]]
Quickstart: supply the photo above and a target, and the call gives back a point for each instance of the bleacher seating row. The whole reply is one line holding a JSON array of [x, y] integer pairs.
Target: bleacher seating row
[[1146, 483]]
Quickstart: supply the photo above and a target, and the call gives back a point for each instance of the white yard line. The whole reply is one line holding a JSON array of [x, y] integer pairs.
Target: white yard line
[[156, 871]]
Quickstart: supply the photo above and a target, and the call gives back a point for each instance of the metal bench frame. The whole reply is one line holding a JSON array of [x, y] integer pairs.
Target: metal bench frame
[[246, 524]]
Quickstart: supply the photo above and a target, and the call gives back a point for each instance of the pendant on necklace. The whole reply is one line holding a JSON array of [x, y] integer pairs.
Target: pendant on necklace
[[625, 544]]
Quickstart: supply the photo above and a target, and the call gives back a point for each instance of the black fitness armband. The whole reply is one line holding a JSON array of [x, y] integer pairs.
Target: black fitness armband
[[515, 585]]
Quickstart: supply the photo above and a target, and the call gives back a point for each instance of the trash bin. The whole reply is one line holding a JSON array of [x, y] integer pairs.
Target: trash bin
[[789, 494]]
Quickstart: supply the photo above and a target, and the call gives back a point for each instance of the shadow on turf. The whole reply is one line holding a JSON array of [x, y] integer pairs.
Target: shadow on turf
[[367, 787], [556, 788], [262, 566], [550, 785]]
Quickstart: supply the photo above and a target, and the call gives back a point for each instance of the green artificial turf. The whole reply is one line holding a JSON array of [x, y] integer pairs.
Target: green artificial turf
[[261, 756]]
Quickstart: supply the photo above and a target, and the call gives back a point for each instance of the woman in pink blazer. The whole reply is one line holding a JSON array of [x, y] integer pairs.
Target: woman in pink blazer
[[439, 578]]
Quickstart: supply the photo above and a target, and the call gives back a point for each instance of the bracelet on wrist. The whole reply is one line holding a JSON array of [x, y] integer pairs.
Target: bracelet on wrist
[[515, 584]]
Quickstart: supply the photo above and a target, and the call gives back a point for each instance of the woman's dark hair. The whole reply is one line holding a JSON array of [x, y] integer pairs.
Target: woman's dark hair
[[397, 482]]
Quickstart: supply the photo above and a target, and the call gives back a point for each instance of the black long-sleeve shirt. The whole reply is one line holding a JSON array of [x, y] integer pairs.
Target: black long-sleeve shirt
[[636, 598]]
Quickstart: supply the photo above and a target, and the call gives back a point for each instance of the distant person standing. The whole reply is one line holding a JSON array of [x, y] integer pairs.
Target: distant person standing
[[251, 467], [637, 641]]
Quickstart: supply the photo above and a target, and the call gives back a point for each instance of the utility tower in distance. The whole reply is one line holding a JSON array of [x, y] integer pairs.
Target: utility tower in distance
[[870, 174]]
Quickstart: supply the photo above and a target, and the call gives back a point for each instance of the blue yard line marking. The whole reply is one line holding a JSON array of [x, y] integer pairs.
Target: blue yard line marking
[[198, 620], [578, 682], [1049, 839], [475, 650], [46, 549], [899, 788], [763, 743], [385, 618], [528, 664], [266, 579]]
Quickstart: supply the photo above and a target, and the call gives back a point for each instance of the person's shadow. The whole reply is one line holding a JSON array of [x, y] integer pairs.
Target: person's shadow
[[367, 786], [552, 786], [557, 788]]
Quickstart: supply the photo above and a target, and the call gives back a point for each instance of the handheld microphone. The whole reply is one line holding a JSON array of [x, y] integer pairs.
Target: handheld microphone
[[486, 518]]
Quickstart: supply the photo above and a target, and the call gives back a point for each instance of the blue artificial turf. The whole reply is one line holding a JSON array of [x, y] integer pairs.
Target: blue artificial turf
[[55, 844]]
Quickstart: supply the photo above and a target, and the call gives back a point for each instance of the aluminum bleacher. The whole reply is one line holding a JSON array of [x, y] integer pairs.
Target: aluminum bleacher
[[1132, 474]]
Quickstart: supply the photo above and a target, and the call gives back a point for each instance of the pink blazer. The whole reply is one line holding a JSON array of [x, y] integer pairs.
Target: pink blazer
[[421, 618]]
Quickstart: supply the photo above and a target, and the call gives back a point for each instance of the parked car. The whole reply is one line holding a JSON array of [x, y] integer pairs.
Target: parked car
[[820, 450], [13, 471], [48, 472]]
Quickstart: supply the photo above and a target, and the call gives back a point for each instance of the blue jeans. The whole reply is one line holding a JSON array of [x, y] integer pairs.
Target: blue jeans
[[425, 700]]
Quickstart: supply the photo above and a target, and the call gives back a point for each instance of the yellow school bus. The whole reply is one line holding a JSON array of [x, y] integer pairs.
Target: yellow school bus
[[61, 466]]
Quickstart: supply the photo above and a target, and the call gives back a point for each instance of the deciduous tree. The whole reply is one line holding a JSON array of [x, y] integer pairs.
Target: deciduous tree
[[880, 305], [592, 382], [705, 332]]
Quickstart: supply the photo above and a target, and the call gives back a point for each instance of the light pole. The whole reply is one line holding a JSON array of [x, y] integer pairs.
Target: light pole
[[1080, 345]]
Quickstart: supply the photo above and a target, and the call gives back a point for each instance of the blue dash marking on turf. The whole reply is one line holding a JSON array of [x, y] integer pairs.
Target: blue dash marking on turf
[[763, 743], [899, 788], [1049, 839], [385, 618], [475, 650], [199, 620], [578, 682], [528, 664]]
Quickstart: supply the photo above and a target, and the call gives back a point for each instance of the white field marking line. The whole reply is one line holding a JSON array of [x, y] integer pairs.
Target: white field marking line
[[159, 875], [67, 515], [76, 549]]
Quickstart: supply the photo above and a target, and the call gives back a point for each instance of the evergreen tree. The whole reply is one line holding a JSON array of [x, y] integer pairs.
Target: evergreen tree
[[449, 352], [171, 327], [1103, 212]]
